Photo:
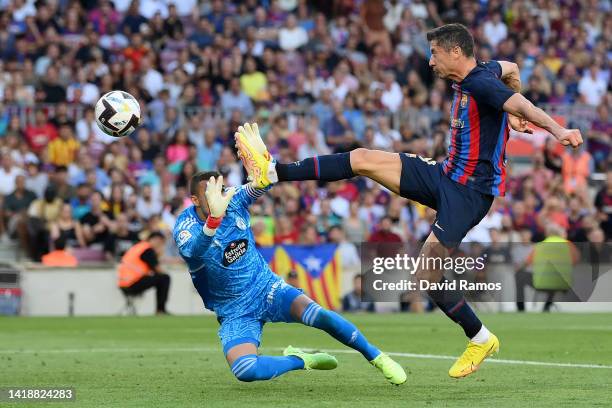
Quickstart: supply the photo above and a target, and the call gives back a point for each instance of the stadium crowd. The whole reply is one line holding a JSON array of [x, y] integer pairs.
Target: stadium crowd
[[318, 77]]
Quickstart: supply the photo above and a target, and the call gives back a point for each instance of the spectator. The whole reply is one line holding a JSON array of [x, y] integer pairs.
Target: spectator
[[8, 175], [15, 207], [51, 88], [372, 12], [62, 150], [292, 36], [384, 233], [43, 212], [209, 152], [495, 31], [140, 270], [236, 100], [152, 80], [348, 251], [121, 237], [146, 205], [96, 223], [67, 229], [356, 300], [41, 133], [253, 82], [36, 180], [178, 149], [592, 87], [392, 93]]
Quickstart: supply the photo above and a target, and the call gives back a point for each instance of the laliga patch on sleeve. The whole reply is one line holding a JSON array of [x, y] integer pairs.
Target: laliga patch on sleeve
[[183, 237]]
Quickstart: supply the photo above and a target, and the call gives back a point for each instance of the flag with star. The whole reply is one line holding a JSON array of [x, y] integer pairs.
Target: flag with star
[[318, 269]]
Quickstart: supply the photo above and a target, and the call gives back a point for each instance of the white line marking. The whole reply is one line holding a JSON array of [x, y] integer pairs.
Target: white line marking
[[339, 351]]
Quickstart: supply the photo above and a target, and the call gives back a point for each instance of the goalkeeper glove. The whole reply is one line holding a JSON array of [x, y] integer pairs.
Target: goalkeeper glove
[[217, 202], [259, 164]]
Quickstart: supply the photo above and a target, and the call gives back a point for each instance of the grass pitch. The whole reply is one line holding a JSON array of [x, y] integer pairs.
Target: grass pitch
[[177, 362]]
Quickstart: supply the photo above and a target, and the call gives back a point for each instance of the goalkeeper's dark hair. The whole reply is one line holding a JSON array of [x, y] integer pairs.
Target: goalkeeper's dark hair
[[198, 177], [453, 35]]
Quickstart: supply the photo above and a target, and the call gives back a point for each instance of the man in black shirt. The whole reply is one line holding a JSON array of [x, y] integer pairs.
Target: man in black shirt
[[15, 207], [96, 223]]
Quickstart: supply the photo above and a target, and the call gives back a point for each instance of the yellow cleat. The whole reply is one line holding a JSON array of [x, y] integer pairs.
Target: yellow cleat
[[255, 157], [473, 356]]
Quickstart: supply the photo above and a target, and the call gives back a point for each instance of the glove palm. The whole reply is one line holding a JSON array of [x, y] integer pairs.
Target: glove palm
[[216, 198]]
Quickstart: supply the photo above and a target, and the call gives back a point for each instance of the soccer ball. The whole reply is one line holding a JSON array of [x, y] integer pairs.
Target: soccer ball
[[117, 113]]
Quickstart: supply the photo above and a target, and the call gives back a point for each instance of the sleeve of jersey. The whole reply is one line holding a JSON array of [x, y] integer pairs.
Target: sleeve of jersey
[[488, 89], [495, 67], [247, 195], [191, 242]]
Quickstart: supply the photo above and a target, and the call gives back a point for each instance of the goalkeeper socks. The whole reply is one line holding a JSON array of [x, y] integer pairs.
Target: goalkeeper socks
[[339, 328], [256, 368], [331, 167], [453, 304]]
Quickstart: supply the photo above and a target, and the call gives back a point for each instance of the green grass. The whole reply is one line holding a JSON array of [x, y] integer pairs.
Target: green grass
[[177, 362]]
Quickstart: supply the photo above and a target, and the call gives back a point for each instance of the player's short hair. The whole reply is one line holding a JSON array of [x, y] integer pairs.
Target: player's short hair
[[198, 177], [453, 35]]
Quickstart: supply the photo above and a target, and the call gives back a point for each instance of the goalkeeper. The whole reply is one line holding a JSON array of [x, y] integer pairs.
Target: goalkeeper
[[215, 240]]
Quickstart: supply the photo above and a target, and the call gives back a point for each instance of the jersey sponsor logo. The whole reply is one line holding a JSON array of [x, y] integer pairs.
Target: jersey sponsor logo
[[234, 251], [183, 237], [457, 123], [240, 223]]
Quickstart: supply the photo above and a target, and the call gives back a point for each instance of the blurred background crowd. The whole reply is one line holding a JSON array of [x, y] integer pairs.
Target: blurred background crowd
[[319, 77]]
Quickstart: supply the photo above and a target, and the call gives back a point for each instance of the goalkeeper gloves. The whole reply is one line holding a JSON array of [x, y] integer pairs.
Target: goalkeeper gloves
[[259, 164], [217, 203]]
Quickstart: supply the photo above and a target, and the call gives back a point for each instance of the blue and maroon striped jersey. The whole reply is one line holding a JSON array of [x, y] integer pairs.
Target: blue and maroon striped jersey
[[479, 130]]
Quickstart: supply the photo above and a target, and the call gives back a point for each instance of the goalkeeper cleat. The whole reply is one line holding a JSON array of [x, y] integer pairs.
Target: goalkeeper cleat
[[473, 356], [393, 372], [258, 162], [313, 361]]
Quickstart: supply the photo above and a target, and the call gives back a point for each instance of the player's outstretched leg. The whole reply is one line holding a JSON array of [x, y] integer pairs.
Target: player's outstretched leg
[[312, 314], [383, 167], [247, 366]]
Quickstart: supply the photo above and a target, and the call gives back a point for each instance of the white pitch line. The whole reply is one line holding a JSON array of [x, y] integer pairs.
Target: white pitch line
[[339, 351], [492, 360]]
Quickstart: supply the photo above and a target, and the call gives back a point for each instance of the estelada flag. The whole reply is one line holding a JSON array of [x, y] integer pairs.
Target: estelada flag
[[318, 268]]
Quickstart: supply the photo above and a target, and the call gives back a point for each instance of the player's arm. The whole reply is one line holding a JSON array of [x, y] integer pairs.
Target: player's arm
[[247, 195], [520, 106], [508, 72], [510, 75]]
